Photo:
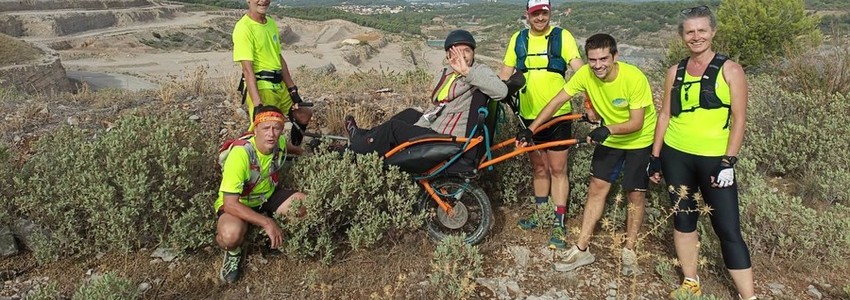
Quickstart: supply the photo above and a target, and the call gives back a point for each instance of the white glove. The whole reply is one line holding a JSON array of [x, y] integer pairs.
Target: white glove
[[725, 178]]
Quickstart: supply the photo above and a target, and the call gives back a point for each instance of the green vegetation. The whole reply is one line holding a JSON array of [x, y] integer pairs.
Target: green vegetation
[[455, 267], [13, 50], [154, 168], [351, 199], [107, 287], [754, 31]]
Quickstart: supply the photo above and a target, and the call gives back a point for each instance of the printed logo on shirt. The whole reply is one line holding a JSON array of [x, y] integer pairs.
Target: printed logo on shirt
[[620, 102]]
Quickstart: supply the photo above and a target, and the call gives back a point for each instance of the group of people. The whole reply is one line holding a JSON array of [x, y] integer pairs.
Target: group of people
[[692, 140]]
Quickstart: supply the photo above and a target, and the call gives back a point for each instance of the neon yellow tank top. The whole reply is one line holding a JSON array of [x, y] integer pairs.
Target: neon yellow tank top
[[703, 131]]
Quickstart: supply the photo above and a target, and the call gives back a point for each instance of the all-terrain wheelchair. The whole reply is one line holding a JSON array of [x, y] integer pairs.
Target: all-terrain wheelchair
[[446, 167]]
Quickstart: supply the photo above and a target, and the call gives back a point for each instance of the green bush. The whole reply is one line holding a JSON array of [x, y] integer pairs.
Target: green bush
[[783, 226], [49, 291], [107, 287], [754, 31], [121, 189], [800, 136], [7, 170], [351, 199], [454, 268]]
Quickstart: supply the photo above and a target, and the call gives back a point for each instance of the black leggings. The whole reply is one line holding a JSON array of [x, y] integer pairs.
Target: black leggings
[[694, 173]]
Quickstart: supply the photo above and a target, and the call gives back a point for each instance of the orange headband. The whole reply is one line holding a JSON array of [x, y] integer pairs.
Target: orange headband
[[268, 116]]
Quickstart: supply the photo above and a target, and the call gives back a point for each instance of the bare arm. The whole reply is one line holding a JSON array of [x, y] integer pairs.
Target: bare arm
[[550, 109], [634, 123], [284, 70], [506, 72], [663, 120], [251, 81], [737, 81], [576, 63], [663, 113]]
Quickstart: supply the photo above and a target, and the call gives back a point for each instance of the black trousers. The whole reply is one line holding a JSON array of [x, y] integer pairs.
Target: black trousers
[[385, 137]]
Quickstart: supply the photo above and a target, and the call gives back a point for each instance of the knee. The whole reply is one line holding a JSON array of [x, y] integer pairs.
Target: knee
[[229, 238], [685, 222], [299, 198], [540, 171], [558, 171]]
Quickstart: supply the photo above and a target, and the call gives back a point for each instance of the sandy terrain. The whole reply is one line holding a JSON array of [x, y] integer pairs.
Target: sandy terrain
[[116, 57]]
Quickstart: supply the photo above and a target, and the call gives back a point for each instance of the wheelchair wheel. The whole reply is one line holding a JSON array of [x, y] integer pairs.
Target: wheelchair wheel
[[472, 215]]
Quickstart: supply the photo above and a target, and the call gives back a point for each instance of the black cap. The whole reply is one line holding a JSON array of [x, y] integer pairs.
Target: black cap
[[460, 36]]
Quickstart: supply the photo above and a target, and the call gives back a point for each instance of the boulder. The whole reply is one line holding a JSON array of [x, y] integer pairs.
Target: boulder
[[8, 246]]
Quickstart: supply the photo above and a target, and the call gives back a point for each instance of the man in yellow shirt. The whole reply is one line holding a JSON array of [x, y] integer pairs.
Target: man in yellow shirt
[[622, 98], [249, 193], [542, 53], [265, 73]]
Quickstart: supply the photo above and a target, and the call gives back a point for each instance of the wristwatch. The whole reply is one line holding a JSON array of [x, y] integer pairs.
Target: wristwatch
[[732, 160]]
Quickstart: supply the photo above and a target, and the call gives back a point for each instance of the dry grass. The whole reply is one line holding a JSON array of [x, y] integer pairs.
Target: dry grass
[[13, 51]]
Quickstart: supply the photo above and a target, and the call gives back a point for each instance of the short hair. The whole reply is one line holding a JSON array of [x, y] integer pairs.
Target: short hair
[[601, 41], [701, 11], [264, 108]]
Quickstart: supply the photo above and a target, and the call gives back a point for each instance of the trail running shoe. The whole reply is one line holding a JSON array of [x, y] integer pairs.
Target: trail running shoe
[[529, 223], [689, 287], [558, 239], [575, 258], [231, 268]]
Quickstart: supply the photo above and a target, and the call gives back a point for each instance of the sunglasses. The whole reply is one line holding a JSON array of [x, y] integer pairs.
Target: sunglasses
[[700, 8]]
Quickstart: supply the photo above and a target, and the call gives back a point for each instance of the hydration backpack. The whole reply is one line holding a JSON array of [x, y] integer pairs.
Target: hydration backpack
[[244, 141]]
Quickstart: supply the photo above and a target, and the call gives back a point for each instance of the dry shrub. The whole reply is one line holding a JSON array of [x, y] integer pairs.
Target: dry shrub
[[455, 267], [826, 71]]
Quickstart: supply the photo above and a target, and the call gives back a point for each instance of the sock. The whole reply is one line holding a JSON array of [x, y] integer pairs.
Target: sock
[[295, 136], [541, 200], [691, 279], [560, 211], [580, 249], [235, 251]]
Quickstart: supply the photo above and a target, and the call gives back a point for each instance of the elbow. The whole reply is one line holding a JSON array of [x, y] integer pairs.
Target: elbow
[[500, 93]]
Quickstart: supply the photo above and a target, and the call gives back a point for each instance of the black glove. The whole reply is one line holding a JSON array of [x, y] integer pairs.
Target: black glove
[[293, 93], [524, 136], [654, 165], [599, 134]]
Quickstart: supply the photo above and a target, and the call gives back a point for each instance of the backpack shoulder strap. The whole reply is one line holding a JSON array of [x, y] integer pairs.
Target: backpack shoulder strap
[[680, 73], [556, 63], [521, 49], [254, 171], [709, 77]]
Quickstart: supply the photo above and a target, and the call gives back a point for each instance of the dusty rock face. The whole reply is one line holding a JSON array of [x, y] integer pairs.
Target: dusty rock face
[[16, 5], [65, 23], [45, 75], [358, 54]]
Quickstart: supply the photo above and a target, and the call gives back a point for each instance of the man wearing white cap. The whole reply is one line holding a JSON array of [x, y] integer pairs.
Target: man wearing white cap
[[543, 53]]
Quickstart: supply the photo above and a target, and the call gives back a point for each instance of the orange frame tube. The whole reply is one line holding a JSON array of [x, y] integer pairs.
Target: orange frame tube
[[477, 140]]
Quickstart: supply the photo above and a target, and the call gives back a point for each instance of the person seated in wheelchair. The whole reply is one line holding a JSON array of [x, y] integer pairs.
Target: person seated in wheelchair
[[452, 99]]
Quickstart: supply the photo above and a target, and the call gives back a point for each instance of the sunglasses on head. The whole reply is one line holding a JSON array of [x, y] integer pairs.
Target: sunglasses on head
[[700, 8]]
